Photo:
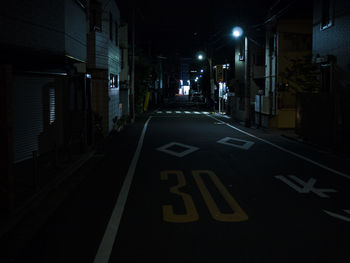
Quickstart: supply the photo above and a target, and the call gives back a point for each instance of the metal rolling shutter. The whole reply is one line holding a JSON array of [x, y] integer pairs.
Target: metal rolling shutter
[[27, 105], [52, 105]]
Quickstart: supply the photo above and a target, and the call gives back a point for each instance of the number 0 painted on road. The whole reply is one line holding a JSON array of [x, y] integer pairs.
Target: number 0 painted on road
[[191, 214], [238, 214]]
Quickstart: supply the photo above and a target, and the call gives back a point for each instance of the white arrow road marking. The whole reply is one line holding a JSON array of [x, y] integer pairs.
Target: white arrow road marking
[[307, 187], [347, 219]]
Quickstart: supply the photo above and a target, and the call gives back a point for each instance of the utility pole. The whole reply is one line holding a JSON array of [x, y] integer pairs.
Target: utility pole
[[6, 118], [247, 81], [210, 53], [211, 75], [132, 80]]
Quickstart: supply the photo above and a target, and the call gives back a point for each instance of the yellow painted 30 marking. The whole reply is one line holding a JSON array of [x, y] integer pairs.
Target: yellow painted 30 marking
[[238, 214], [168, 211], [191, 215]]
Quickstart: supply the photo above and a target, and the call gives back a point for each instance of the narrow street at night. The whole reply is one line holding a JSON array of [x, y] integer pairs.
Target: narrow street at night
[[175, 131], [200, 188]]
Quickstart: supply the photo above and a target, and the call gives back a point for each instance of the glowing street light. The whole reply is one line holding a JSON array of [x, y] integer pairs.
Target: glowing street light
[[237, 31]]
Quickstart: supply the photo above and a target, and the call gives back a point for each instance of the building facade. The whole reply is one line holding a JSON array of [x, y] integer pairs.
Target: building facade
[[104, 60], [287, 40], [331, 52], [46, 92], [248, 70]]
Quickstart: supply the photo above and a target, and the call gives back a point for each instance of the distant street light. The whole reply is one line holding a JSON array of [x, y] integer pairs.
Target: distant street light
[[201, 56], [238, 32]]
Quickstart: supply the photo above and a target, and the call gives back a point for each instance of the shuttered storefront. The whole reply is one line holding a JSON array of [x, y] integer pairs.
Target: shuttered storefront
[[27, 101]]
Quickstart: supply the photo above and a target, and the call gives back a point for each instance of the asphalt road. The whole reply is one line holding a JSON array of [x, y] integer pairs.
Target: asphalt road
[[185, 185]]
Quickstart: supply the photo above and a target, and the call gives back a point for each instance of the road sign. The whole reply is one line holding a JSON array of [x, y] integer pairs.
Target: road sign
[[219, 73]]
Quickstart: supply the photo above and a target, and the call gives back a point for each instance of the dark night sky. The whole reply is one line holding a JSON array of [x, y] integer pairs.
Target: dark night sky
[[183, 26]]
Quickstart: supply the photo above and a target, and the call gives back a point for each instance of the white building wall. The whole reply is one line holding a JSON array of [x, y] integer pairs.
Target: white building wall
[[54, 26], [36, 24], [105, 55], [75, 30]]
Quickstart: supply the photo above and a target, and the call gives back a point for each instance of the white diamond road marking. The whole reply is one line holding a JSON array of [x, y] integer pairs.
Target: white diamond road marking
[[189, 150], [245, 146]]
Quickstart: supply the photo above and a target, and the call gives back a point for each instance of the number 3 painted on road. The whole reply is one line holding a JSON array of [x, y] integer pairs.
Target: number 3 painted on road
[[191, 215], [168, 211]]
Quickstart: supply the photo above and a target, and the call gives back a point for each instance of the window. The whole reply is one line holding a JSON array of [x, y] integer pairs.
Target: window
[[116, 34], [95, 16], [326, 14], [110, 26], [111, 81]]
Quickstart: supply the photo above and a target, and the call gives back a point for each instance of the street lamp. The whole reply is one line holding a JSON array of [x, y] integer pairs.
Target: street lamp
[[237, 32]]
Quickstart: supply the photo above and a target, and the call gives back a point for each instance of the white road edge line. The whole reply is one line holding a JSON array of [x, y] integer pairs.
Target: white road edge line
[[285, 150], [105, 249]]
